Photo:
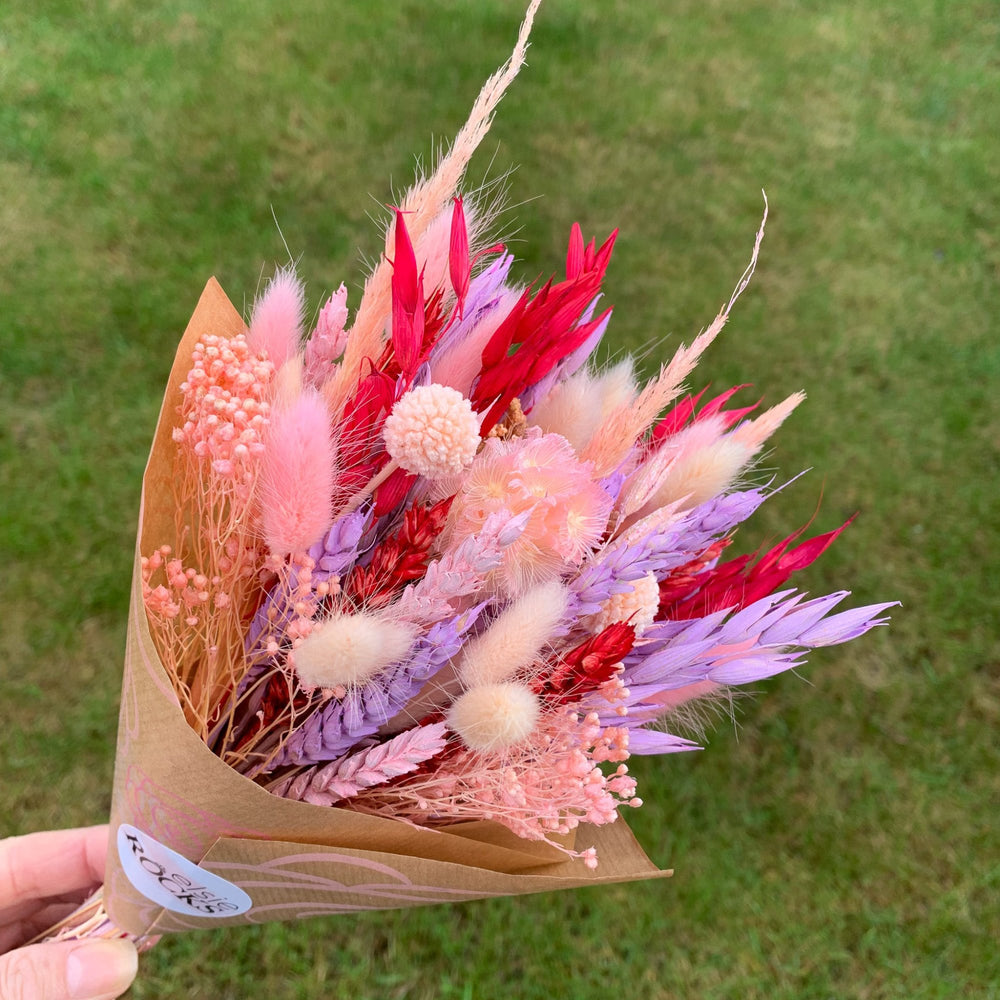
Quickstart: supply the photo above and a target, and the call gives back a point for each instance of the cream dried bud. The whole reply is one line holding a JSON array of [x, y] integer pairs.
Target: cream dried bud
[[638, 606], [432, 431], [348, 650], [494, 716], [516, 637], [704, 473]]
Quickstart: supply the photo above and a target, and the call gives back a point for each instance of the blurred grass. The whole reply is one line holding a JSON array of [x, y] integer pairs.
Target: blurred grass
[[843, 842]]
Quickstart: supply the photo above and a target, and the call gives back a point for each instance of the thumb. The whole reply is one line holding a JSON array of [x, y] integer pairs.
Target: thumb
[[68, 970]]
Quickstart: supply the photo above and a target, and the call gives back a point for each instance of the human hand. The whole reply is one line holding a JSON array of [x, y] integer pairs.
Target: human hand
[[43, 877]]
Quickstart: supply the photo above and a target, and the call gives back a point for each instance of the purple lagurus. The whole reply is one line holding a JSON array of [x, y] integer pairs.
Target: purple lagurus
[[616, 567], [332, 730], [727, 648]]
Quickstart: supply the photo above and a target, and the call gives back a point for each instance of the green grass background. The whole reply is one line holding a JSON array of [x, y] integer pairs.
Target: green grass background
[[842, 839]]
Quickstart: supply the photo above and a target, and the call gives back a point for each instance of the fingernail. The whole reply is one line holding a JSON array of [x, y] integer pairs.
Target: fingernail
[[100, 968]]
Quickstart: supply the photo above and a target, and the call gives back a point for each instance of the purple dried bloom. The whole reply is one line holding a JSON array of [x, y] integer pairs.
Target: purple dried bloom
[[339, 549], [845, 626], [661, 550], [331, 731], [651, 741], [766, 638], [333, 556]]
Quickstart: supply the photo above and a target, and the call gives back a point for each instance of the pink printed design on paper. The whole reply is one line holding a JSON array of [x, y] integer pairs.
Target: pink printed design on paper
[[307, 895], [187, 828]]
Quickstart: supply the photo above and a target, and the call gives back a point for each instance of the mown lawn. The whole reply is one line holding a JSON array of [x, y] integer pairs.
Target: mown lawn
[[843, 840]]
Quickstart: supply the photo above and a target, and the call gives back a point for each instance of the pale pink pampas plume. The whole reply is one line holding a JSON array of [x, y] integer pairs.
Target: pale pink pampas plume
[[612, 443], [276, 325], [578, 407], [702, 461], [298, 474], [423, 202], [692, 466], [752, 434]]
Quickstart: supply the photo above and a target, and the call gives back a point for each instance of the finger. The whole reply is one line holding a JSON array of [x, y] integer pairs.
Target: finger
[[44, 917], [69, 970], [56, 861], [19, 911]]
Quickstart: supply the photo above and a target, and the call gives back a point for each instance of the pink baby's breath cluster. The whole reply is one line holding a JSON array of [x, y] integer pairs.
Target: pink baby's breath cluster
[[225, 409], [541, 790], [209, 576], [184, 590]]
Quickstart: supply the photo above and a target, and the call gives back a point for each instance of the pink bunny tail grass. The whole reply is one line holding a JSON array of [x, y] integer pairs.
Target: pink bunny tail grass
[[298, 475], [276, 325]]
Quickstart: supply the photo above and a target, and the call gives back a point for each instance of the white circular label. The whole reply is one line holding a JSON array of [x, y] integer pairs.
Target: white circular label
[[170, 880]]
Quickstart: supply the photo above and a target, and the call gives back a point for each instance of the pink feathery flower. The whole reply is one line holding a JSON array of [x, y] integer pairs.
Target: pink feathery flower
[[538, 475], [298, 475], [327, 342], [276, 323]]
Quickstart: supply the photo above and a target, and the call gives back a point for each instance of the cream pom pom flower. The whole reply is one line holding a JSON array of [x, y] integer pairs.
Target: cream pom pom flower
[[494, 716], [432, 431]]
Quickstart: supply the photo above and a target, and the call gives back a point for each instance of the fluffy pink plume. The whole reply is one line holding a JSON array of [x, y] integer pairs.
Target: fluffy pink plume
[[298, 475], [538, 476], [276, 323]]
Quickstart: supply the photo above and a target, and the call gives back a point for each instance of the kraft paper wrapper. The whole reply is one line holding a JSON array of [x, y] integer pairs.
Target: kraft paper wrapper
[[294, 859]]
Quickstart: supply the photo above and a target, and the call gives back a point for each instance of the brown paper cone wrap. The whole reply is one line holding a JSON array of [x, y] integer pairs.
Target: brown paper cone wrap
[[293, 859]]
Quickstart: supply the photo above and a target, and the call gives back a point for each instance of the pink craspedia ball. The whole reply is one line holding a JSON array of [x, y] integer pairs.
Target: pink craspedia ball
[[432, 431]]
